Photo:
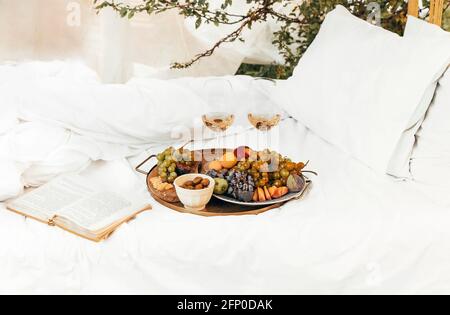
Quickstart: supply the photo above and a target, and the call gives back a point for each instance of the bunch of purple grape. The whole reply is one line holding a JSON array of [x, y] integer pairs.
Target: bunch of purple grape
[[241, 186]]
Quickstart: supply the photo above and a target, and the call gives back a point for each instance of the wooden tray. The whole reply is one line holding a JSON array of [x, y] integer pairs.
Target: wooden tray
[[216, 207]]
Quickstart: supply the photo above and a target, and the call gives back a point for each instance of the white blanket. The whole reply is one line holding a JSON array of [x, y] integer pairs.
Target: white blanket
[[355, 232]]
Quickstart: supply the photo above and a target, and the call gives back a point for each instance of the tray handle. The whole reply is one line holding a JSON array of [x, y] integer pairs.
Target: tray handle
[[138, 168]]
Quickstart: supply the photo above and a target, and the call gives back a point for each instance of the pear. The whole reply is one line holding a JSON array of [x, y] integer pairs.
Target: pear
[[221, 186]]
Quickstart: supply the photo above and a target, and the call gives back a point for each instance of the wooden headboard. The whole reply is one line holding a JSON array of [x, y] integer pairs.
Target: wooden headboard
[[436, 10]]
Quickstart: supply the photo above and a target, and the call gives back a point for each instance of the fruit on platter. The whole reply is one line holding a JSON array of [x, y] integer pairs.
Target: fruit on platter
[[173, 163], [215, 165], [295, 183], [221, 186], [272, 190], [267, 194], [228, 160], [257, 176], [243, 174], [261, 195], [280, 192], [243, 153], [241, 185]]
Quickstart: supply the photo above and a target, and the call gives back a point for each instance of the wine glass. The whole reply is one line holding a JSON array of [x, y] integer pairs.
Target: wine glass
[[218, 92], [264, 116]]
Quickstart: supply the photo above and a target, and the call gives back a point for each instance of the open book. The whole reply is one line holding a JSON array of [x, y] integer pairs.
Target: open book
[[76, 205]]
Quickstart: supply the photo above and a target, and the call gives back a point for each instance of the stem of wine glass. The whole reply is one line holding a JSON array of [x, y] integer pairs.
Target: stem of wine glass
[[261, 140], [267, 139], [218, 142]]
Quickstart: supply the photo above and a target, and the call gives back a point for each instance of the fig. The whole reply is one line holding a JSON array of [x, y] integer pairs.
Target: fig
[[295, 183], [221, 186], [183, 169]]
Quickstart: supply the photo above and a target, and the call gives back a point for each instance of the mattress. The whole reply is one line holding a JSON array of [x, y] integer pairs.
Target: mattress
[[355, 232]]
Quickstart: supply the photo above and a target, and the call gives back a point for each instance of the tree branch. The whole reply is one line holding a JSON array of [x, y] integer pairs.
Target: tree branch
[[297, 27]]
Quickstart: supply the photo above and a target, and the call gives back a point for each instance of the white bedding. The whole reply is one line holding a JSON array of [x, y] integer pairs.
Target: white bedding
[[355, 232]]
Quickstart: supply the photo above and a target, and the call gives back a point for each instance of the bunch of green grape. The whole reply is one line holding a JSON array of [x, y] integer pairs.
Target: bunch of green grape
[[167, 166], [269, 168], [171, 162]]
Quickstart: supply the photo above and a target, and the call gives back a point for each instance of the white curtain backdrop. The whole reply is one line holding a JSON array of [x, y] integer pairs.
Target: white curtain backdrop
[[119, 49]]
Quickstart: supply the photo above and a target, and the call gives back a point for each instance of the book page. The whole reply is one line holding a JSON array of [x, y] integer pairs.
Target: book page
[[88, 203], [98, 210], [43, 203]]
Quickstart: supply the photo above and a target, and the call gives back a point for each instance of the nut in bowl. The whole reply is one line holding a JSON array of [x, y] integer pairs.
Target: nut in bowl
[[194, 190]]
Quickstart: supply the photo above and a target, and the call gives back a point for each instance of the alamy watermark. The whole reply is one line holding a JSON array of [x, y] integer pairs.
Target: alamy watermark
[[73, 9], [374, 16]]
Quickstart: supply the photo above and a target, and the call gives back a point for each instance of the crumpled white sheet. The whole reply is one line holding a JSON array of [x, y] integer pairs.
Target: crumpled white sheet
[[32, 153], [139, 114]]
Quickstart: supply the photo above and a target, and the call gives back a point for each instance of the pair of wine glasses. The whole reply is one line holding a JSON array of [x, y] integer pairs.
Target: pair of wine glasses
[[262, 115]]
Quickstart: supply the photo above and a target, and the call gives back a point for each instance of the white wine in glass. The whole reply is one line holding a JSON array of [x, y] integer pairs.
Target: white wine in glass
[[218, 122], [218, 119], [264, 116], [264, 122]]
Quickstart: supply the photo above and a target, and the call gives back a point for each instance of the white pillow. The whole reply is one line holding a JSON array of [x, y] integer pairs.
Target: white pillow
[[430, 162], [365, 89]]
